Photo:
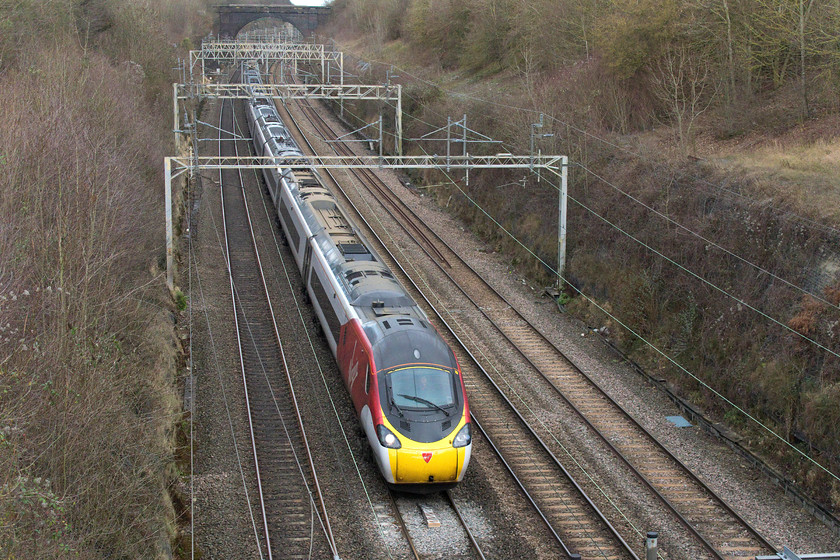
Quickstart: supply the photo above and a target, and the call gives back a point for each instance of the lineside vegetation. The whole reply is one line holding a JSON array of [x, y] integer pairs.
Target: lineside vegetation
[[88, 352], [721, 116]]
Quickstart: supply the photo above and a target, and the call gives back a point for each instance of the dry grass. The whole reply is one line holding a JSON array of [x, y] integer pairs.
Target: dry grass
[[805, 174]]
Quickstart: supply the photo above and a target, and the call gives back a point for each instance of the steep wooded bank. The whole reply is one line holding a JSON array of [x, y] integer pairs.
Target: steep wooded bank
[[88, 353], [703, 206]]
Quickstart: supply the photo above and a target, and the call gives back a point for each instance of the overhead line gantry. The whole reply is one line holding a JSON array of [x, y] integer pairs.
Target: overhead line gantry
[[265, 52], [283, 50]]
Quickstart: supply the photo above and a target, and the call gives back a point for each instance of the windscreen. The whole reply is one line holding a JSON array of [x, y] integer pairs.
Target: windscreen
[[411, 384]]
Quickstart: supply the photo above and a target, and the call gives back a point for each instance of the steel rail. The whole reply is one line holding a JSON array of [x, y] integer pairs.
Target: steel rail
[[325, 520], [403, 526], [470, 535], [417, 556], [606, 524], [241, 352], [651, 439], [521, 486]]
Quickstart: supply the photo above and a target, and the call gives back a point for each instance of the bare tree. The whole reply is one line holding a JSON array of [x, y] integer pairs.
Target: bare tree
[[680, 82]]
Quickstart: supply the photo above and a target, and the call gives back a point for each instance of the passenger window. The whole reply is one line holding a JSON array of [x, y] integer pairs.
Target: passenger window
[[367, 379]]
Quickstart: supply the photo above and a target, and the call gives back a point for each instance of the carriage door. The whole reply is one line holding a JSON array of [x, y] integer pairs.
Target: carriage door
[[307, 258]]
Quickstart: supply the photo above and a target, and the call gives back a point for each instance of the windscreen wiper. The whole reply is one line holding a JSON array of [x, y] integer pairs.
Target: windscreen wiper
[[424, 401], [399, 410]]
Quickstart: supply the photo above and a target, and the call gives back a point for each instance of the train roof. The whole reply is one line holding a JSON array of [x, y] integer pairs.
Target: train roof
[[367, 283], [398, 340], [373, 288]]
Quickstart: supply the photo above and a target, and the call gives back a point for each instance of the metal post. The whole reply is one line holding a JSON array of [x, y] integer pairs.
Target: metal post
[[464, 136], [175, 115], [341, 65], [561, 244], [380, 137], [399, 138], [464, 140], [448, 140], [531, 149], [194, 142], [170, 267], [651, 545], [534, 128]]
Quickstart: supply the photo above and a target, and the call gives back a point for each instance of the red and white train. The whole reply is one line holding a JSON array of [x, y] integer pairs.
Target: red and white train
[[404, 380]]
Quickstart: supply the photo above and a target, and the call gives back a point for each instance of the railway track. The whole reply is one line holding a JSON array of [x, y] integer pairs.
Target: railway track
[[434, 507], [294, 521], [569, 513], [704, 516], [388, 515]]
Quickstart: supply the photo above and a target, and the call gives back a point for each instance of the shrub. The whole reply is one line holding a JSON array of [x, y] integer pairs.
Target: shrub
[[85, 341]]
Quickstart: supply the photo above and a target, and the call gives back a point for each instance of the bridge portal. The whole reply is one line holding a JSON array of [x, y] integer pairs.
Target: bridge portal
[[231, 18]]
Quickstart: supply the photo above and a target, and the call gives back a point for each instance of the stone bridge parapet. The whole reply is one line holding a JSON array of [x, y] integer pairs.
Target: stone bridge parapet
[[231, 18]]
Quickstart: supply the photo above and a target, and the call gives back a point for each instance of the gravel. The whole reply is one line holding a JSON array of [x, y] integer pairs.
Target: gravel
[[751, 494], [223, 511], [494, 508]]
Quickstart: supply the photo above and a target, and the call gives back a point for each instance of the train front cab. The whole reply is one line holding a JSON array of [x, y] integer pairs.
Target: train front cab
[[418, 447], [417, 466]]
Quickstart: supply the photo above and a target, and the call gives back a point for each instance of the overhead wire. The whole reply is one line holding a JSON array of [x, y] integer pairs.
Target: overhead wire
[[696, 234], [595, 137], [648, 247], [715, 392], [656, 349], [323, 376], [466, 333]]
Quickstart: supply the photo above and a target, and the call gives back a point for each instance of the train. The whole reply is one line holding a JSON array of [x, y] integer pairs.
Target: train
[[404, 379]]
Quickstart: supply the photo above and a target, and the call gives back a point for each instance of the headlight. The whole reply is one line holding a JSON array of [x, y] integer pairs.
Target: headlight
[[387, 437], [463, 438]]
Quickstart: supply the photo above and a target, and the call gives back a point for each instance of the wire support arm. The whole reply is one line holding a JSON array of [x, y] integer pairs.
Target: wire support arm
[[289, 91], [498, 161]]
